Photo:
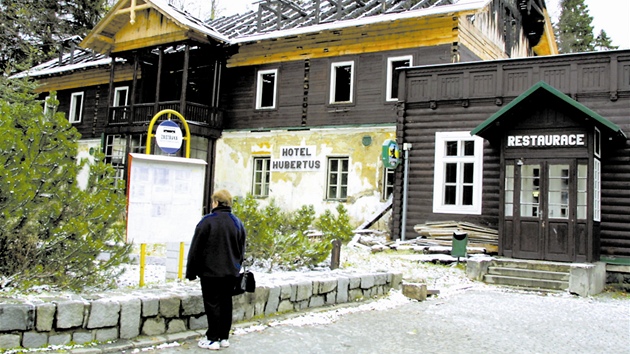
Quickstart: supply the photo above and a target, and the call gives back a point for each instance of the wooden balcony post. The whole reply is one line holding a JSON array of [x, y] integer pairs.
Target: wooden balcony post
[[158, 83], [134, 85], [182, 105], [111, 88]]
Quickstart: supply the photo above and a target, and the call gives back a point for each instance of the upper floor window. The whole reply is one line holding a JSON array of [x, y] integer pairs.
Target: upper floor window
[[49, 105], [392, 74], [121, 97], [76, 107], [266, 89], [458, 173], [337, 185], [262, 176], [341, 82]]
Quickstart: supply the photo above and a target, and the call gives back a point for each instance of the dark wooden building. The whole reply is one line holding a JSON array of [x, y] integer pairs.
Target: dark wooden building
[[536, 148], [317, 77]]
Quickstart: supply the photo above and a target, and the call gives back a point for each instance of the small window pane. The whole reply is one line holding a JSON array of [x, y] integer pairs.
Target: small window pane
[[469, 148], [451, 173], [451, 148], [468, 172], [450, 195]]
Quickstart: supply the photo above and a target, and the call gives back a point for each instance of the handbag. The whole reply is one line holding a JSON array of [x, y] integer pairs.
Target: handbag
[[245, 282]]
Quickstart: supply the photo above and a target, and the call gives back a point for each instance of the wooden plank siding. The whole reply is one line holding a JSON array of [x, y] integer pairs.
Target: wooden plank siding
[[384, 36], [459, 97], [94, 115], [369, 102], [85, 77]]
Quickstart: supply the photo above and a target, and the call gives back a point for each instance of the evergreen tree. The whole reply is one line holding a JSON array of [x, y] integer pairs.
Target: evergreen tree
[[31, 30], [603, 42], [574, 31], [52, 230]]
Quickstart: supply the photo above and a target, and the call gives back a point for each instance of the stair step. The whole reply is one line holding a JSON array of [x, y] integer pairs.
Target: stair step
[[529, 264], [526, 282], [529, 273]]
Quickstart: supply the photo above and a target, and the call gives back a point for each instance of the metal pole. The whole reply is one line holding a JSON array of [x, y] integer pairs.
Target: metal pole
[[406, 148]]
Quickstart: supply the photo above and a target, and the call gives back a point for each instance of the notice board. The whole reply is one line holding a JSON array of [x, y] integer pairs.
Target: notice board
[[164, 198]]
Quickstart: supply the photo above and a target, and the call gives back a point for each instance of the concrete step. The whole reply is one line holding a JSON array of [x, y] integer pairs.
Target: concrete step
[[529, 273], [530, 264], [526, 282]]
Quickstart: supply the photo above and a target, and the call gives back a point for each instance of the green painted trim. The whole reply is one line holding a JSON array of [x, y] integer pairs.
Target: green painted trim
[[541, 85], [615, 260]]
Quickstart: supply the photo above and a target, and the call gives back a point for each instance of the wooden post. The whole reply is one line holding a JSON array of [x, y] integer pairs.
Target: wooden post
[[158, 83], [182, 104], [335, 255]]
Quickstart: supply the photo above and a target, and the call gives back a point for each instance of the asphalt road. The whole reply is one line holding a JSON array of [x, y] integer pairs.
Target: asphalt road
[[476, 320]]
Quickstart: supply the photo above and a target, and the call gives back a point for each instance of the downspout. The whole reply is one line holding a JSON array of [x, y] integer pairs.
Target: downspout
[[406, 148]]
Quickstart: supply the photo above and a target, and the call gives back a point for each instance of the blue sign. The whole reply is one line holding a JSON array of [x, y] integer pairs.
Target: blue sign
[[168, 137]]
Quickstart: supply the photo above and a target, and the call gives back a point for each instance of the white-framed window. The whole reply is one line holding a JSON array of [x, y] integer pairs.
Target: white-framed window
[[597, 143], [597, 190], [116, 152], [266, 87], [342, 82], [458, 173], [49, 105], [388, 183], [121, 99], [262, 176], [76, 107], [337, 178], [392, 75]]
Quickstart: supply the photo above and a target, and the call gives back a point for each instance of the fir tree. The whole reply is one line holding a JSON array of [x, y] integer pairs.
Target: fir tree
[[574, 31], [31, 30], [52, 230], [603, 42]]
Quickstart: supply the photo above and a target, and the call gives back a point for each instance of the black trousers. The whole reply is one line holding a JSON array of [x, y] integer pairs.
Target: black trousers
[[217, 301]]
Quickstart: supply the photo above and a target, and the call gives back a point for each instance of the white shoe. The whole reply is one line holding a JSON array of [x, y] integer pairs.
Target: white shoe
[[208, 344], [224, 343]]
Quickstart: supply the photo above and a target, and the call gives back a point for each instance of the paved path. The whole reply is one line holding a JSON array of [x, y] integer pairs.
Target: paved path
[[478, 320]]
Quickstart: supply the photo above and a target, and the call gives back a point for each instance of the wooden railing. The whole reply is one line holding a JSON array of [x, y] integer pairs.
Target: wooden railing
[[142, 113]]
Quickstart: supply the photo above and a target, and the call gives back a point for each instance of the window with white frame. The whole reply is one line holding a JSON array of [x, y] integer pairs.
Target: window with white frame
[[458, 173], [76, 107], [49, 105], [266, 87], [341, 82], [337, 178], [388, 183], [121, 97], [116, 152], [392, 74], [262, 176]]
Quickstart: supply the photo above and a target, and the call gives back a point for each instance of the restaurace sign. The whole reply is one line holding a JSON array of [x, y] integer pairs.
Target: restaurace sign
[[546, 140], [296, 158]]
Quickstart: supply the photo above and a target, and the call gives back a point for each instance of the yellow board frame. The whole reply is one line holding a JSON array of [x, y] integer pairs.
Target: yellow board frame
[[150, 134]]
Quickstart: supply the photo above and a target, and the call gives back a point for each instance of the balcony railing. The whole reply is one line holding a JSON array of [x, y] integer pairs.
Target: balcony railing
[[143, 113]]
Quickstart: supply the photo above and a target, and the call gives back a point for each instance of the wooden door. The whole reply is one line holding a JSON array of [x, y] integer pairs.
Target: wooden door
[[545, 210]]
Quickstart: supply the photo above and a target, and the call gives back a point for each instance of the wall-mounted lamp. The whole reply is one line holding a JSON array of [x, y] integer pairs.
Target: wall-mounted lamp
[[519, 162]]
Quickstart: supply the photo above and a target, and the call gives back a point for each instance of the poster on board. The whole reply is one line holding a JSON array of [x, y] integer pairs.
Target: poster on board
[[164, 198]]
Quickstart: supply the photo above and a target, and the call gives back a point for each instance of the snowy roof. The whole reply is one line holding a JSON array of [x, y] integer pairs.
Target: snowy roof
[[280, 18], [74, 60], [286, 19]]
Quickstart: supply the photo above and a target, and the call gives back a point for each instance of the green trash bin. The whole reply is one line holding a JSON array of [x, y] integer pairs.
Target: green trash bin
[[460, 241]]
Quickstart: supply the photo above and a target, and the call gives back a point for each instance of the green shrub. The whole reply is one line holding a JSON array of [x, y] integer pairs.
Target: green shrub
[[278, 238], [52, 230]]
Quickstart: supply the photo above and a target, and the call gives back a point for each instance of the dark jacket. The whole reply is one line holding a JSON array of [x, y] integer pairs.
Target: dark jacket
[[218, 246]]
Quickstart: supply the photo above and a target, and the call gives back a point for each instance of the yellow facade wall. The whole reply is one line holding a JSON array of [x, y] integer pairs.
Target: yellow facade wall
[[291, 190]]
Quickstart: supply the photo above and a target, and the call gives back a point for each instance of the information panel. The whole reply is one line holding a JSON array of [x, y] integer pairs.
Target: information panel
[[164, 198]]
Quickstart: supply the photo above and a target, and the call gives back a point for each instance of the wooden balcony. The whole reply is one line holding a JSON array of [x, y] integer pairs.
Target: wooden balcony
[[141, 114]]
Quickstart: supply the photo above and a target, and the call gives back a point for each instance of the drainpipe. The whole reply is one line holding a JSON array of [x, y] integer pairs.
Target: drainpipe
[[406, 148]]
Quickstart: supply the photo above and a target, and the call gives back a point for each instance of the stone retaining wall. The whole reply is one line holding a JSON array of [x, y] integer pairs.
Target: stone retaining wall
[[178, 307]]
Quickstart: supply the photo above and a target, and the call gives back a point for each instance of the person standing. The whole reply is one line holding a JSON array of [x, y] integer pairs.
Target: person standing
[[216, 254]]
